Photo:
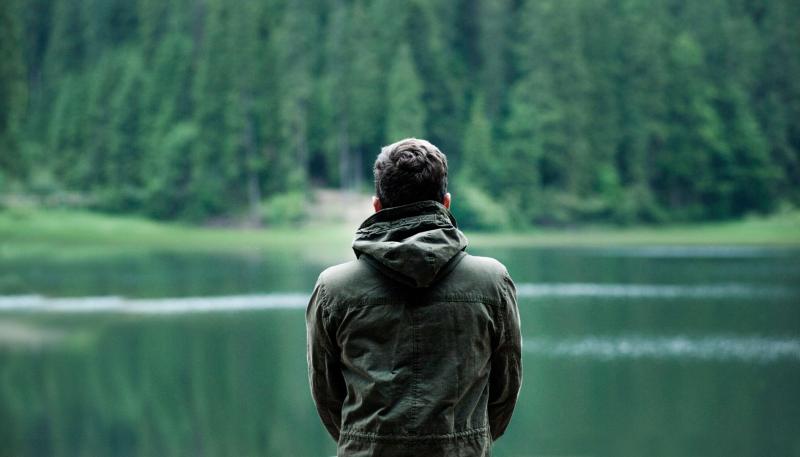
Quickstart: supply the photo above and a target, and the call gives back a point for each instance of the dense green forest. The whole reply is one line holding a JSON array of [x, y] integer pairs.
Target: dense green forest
[[550, 111]]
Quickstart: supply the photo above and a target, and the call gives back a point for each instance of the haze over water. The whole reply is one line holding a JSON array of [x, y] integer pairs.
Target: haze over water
[[657, 351]]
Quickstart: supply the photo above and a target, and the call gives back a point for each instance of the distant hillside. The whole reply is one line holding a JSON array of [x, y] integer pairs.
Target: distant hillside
[[560, 112]]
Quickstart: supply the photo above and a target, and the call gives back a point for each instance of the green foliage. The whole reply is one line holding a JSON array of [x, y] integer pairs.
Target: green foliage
[[406, 110], [561, 111], [285, 209], [474, 208], [168, 186], [479, 159], [12, 92]]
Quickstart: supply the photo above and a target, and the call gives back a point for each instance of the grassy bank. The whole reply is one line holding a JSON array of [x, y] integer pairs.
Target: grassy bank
[[36, 229], [777, 230], [27, 229]]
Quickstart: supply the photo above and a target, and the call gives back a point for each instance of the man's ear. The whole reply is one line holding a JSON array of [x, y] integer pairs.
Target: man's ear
[[446, 200], [376, 203]]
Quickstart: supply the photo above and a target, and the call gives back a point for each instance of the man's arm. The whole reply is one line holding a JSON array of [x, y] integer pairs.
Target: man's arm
[[324, 373], [505, 378]]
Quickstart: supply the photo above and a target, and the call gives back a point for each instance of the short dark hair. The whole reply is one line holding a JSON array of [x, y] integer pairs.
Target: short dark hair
[[408, 171]]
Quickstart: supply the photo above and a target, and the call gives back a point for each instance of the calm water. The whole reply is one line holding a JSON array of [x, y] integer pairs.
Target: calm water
[[654, 351]]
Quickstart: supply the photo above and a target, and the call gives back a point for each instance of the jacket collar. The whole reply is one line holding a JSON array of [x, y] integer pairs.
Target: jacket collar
[[415, 244]]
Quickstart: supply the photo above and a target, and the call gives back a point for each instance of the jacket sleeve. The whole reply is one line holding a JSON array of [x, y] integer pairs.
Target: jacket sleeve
[[324, 372], [505, 377]]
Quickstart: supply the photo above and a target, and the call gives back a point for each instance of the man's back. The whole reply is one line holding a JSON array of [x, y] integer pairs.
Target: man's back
[[414, 348]]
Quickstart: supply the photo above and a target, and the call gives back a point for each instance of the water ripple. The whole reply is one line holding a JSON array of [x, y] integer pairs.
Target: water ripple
[[714, 252], [38, 303], [737, 348], [536, 290]]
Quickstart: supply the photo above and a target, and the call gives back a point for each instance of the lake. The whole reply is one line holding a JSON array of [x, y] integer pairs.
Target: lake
[[630, 351]]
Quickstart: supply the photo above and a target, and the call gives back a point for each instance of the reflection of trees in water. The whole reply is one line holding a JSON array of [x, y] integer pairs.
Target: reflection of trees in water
[[190, 385], [157, 274], [235, 383]]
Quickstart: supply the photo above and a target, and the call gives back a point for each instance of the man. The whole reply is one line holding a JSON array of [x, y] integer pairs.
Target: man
[[414, 347]]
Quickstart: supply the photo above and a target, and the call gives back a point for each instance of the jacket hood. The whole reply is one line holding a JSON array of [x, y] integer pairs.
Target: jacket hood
[[415, 244]]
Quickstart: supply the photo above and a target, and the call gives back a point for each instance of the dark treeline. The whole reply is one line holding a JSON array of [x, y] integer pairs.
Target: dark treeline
[[563, 110]]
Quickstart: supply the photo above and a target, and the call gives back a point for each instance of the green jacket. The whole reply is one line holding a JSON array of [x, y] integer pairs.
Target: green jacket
[[414, 348]]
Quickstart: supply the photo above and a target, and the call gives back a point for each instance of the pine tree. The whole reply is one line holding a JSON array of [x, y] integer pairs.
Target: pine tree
[[778, 89], [406, 110], [426, 28], [12, 92], [67, 136], [639, 87], [213, 102], [66, 49], [626, 110], [495, 19], [295, 58], [367, 89], [522, 152], [694, 135], [123, 165], [746, 179], [479, 160], [336, 98]]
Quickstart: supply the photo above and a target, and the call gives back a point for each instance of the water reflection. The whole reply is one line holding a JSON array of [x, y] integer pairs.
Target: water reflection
[[174, 355]]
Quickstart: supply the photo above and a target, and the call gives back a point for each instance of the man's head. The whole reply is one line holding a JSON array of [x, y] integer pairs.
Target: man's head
[[408, 171]]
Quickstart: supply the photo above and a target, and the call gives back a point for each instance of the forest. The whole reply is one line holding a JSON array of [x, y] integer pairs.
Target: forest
[[551, 112]]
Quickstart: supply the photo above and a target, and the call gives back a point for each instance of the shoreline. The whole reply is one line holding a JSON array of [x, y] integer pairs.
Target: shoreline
[[35, 229]]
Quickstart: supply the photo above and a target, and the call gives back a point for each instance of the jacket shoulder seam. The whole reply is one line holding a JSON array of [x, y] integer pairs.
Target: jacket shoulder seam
[[355, 304]]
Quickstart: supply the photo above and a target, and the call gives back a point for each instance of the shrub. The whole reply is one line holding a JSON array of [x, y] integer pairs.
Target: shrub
[[476, 209], [285, 209]]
